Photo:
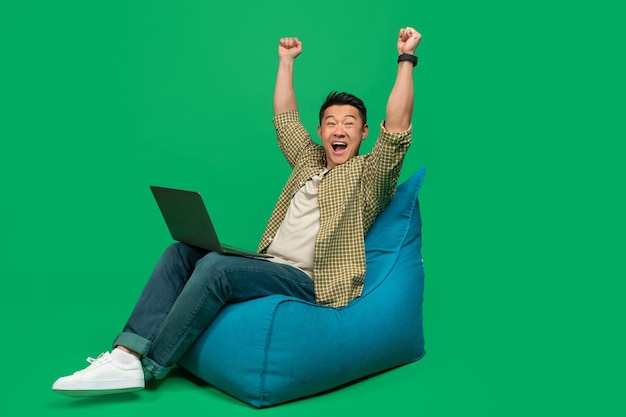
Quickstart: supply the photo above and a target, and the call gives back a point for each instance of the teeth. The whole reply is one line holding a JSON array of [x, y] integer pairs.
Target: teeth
[[339, 143]]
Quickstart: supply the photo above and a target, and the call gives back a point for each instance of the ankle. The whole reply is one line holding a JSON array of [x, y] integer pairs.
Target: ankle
[[125, 349], [123, 357]]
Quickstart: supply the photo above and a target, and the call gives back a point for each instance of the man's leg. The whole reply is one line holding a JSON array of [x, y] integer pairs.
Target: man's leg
[[184, 294], [120, 371], [167, 281], [217, 280]]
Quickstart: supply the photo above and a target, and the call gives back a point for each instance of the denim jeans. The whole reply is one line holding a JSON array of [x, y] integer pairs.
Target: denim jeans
[[185, 292]]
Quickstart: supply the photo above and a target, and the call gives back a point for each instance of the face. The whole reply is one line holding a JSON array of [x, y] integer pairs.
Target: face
[[341, 132]]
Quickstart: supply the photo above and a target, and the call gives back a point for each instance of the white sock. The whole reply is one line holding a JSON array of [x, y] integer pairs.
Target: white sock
[[123, 357]]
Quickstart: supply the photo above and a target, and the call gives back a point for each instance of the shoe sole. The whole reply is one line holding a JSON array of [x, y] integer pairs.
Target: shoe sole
[[95, 393]]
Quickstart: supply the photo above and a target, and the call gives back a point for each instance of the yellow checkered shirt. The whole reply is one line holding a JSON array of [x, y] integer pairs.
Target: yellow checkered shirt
[[350, 196]]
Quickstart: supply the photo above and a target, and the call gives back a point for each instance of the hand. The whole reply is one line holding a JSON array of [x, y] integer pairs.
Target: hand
[[408, 39], [289, 48]]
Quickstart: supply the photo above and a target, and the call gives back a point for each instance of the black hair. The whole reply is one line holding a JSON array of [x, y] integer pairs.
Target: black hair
[[343, 99]]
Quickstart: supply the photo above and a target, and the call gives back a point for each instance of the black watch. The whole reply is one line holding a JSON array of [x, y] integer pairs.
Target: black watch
[[408, 57]]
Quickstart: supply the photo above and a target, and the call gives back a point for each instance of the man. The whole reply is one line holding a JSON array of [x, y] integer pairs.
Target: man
[[315, 233]]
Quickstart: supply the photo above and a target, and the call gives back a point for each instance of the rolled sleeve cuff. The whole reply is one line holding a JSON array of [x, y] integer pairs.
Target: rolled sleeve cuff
[[396, 137], [283, 119]]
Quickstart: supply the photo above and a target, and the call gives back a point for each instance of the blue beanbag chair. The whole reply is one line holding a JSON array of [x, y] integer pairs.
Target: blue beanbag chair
[[276, 349]]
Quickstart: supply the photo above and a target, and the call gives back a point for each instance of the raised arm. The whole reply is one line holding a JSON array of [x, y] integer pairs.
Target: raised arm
[[284, 94], [400, 102]]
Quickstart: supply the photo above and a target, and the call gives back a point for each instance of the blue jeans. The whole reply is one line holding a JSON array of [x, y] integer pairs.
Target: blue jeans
[[185, 292]]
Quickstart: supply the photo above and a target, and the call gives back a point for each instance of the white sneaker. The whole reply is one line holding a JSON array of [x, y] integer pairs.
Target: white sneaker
[[105, 375]]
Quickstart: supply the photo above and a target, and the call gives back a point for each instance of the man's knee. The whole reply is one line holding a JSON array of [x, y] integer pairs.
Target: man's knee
[[184, 252], [213, 263], [212, 273]]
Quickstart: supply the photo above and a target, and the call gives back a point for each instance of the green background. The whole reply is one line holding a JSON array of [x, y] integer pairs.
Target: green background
[[519, 119]]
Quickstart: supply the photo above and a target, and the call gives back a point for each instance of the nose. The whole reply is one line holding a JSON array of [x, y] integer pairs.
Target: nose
[[339, 131]]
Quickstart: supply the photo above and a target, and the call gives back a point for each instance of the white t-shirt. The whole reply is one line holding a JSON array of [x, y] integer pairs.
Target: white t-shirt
[[294, 243]]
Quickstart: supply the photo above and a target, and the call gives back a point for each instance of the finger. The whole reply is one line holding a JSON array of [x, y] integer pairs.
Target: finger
[[408, 33]]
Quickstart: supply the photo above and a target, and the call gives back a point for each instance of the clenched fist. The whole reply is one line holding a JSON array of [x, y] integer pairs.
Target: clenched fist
[[408, 39], [289, 48]]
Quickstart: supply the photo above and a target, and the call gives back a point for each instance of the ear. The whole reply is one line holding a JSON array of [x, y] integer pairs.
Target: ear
[[366, 130], [319, 131]]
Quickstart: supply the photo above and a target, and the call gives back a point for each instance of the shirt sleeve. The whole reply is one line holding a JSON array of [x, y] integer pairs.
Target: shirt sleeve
[[382, 171], [293, 138]]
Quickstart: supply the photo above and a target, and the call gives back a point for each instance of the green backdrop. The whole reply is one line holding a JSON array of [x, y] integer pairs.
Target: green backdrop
[[519, 119]]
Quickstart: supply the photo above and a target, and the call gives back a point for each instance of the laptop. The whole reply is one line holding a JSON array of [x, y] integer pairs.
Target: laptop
[[188, 221]]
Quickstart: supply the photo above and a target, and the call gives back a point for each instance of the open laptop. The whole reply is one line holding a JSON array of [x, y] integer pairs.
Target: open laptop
[[188, 221]]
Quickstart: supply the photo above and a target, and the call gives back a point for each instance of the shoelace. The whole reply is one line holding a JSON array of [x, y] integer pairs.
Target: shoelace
[[96, 361]]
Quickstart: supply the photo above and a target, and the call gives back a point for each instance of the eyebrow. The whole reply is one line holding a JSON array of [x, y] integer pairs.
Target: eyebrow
[[333, 116]]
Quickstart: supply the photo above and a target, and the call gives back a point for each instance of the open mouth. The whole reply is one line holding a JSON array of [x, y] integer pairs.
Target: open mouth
[[339, 147]]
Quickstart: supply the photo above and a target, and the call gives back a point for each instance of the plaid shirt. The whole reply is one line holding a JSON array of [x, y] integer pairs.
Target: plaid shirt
[[351, 195]]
